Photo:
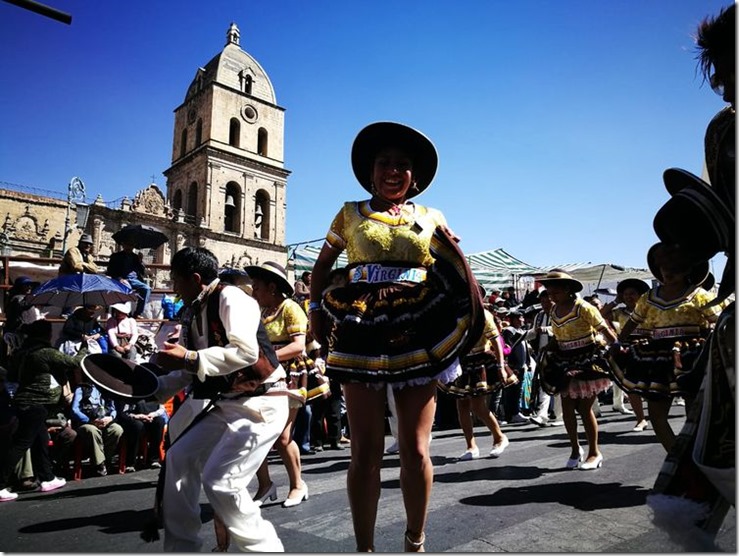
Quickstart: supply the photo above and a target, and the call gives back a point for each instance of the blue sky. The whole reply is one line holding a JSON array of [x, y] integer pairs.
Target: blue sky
[[554, 120]]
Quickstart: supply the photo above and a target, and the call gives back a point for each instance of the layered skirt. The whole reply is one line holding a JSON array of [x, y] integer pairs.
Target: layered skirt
[[305, 381], [659, 368], [405, 331], [575, 373], [480, 376]]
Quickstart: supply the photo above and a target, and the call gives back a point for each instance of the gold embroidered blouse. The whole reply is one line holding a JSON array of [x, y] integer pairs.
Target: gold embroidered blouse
[[371, 236]]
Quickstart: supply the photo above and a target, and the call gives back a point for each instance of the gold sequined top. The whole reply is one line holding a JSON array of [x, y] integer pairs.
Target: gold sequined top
[[289, 320], [371, 236], [652, 312], [582, 323]]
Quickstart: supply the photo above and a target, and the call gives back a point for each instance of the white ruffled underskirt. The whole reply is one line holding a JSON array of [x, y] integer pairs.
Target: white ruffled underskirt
[[449, 374]]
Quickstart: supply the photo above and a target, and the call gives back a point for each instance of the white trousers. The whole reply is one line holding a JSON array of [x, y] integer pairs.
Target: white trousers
[[618, 398], [222, 453], [393, 419]]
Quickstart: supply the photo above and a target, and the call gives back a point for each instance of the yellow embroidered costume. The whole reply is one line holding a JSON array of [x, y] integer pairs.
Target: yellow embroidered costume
[[305, 381], [406, 309], [574, 363], [480, 374], [675, 333]]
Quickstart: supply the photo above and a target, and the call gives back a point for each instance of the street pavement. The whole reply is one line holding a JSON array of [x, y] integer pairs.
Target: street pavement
[[525, 501]]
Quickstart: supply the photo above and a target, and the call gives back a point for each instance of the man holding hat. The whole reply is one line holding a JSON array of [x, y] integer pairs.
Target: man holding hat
[[235, 411]]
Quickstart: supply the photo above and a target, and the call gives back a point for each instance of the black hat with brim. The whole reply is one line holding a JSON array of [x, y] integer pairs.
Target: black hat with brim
[[695, 216], [380, 135], [120, 378], [635, 283], [698, 269]]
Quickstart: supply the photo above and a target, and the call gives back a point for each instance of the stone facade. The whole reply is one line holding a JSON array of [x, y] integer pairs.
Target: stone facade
[[226, 186]]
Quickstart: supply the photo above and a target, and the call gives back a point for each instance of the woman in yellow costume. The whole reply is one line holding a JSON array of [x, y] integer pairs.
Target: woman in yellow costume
[[575, 363], [410, 309], [676, 316], [483, 372], [287, 325], [628, 292]]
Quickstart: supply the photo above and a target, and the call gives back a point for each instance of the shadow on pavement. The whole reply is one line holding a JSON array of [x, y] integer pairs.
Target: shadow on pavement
[[580, 495]]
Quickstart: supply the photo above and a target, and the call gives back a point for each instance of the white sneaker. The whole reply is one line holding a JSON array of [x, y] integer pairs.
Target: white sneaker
[[393, 448], [470, 455], [7, 496], [55, 483], [499, 447], [556, 423]]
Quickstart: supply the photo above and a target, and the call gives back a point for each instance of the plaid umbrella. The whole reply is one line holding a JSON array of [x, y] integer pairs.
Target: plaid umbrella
[[71, 290]]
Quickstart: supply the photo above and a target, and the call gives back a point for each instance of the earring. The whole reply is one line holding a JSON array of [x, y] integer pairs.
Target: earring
[[373, 189]]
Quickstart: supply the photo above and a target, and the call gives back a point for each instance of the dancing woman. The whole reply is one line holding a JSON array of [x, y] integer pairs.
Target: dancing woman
[[575, 365], [677, 319], [287, 325], [483, 372], [403, 319], [628, 292]]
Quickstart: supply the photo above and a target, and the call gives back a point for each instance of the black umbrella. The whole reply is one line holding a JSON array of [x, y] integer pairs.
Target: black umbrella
[[141, 236]]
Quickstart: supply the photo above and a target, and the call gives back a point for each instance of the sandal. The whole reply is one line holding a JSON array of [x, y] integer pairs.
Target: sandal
[[414, 546]]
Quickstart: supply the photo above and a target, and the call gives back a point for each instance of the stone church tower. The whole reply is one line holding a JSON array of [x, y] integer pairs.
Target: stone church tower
[[227, 180]]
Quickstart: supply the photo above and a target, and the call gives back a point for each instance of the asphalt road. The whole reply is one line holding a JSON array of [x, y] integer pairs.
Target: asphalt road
[[525, 501]]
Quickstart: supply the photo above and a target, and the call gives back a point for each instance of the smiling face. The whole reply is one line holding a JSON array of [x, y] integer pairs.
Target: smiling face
[[392, 175]]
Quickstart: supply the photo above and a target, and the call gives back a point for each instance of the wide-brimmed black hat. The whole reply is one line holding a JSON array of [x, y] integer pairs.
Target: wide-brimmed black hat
[[676, 254], [120, 378], [271, 272], [635, 283], [555, 277], [381, 135], [695, 217]]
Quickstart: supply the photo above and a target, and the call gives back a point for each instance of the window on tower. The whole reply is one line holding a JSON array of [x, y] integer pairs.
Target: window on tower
[[261, 215], [262, 142], [199, 132], [177, 200], [234, 133], [232, 208], [183, 142], [192, 199]]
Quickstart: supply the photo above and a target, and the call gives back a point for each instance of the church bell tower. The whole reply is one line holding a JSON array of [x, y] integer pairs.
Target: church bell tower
[[227, 177]]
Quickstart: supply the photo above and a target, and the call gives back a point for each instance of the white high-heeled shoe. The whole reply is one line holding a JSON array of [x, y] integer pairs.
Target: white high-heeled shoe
[[271, 494], [290, 502], [595, 464], [574, 463]]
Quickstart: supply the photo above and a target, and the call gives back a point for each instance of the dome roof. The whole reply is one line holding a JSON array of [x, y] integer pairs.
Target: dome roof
[[233, 68]]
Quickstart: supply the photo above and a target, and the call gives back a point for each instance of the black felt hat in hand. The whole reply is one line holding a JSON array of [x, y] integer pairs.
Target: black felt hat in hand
[[120, 378]]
